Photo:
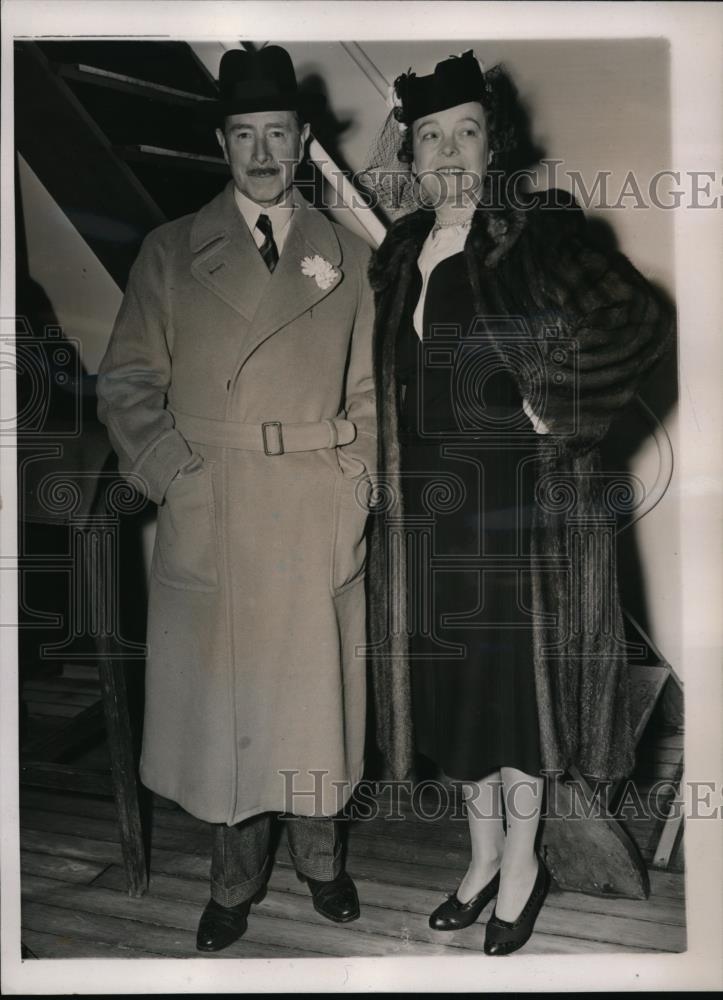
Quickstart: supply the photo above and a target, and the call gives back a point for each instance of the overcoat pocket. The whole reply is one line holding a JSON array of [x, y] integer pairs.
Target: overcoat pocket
[[185, 554], [349, 545]]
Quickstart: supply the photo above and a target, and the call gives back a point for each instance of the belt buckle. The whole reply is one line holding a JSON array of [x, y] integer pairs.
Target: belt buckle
[[280, 448]]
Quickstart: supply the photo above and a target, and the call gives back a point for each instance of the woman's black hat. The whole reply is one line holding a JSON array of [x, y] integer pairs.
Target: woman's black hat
[[257, 80], [455, 81]]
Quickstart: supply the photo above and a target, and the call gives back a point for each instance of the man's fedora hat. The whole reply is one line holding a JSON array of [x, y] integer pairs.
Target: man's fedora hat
[[258, 80]]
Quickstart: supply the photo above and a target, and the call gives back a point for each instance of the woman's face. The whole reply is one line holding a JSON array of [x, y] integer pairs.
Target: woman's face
[[451, 153]]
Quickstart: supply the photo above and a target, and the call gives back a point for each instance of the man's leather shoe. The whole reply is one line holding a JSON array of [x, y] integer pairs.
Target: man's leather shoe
[[336, 900], [452, 915], [220, 926]]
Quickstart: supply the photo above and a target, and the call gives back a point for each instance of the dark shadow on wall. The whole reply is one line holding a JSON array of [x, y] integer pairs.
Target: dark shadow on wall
[[328, 129]]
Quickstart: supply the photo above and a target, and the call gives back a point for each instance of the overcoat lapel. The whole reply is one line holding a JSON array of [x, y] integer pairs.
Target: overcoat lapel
[[227, 260], [290, 292], [228, 263]]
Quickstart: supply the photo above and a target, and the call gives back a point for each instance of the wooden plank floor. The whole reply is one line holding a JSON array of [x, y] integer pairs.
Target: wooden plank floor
[[75, 903]]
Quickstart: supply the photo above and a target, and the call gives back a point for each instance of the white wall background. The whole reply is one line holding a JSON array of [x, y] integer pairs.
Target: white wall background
[[595, 105]]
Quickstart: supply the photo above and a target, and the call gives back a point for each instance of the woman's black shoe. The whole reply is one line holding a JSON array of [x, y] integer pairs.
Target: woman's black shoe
[[504, 936], [453, 915]]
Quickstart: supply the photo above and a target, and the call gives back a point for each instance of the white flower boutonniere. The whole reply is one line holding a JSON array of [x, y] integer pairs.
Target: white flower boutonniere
[[324, 273]]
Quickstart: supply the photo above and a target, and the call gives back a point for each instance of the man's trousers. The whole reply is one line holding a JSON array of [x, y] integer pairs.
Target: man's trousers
[[240, 861]]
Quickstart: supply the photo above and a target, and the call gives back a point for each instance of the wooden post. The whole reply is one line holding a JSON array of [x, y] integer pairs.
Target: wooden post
[[100, 569], [123, 769]]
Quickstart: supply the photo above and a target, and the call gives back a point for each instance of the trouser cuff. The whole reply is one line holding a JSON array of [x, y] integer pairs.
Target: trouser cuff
[[324, 869], [232, 895]]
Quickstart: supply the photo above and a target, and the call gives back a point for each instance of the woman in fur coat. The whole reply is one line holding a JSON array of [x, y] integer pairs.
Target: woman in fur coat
[[505, 344]]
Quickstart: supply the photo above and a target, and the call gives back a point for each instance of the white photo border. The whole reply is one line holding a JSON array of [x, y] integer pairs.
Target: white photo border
[[695, 33]]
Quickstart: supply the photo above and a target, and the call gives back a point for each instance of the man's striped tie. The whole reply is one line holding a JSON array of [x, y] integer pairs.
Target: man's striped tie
[[268, 248]]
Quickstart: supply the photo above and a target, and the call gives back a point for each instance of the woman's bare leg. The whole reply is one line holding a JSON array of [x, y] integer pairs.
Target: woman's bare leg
[[486, 831], [523, 807]]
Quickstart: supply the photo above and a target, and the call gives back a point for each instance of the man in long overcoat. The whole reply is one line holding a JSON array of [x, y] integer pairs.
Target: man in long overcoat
[[238, 393]]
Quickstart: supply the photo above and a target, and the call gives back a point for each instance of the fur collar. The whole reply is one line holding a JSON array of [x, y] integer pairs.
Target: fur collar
[[492, 235]]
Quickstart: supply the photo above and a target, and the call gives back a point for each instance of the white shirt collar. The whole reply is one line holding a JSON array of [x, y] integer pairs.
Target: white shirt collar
[[437, 247], [280, 214]]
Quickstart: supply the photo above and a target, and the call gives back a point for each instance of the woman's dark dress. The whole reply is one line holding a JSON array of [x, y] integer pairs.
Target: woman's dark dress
[[473, 689]]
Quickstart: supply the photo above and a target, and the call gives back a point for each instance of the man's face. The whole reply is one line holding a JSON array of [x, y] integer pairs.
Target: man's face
[[262, 149]]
